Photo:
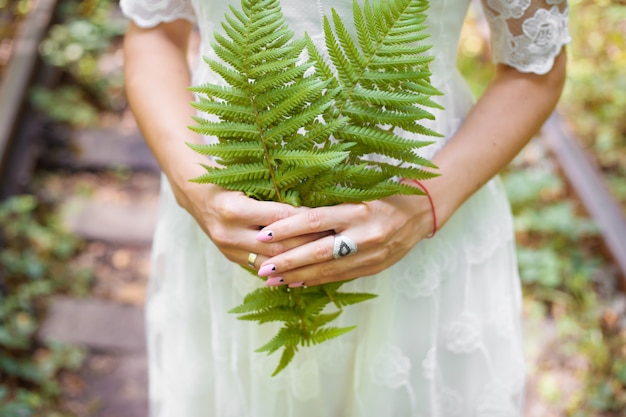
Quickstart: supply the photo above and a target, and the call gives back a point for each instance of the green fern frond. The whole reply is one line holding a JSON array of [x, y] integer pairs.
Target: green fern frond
[[337, 194], [233, 77], [231, 150], [300, 96], [328, 333], [288, 353], [407, 172], [313, 305], [287, 336], [233, 173], [225, 111], [348, 298], [297, 129], [228, 94], [262, 190], [321, 320], [277, 313], [378, 140], [263, 298], [361, 113], [227, 130], [308, 159]]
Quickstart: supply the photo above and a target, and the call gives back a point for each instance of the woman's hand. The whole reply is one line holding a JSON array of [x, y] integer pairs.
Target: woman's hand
[[511, 110], [232, 221], [384, 231], [158, 57]]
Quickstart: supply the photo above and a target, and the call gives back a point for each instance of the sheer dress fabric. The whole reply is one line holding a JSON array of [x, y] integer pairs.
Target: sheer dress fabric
[[443, 339]]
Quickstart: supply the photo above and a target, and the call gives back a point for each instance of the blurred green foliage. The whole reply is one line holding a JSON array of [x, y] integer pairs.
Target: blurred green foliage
[[563, 270], [33, 266], [594, 100], [85, 47], [561, 260]]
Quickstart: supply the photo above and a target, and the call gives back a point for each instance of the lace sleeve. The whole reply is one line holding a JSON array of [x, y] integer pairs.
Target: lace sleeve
[[149, 13], [527, 34]]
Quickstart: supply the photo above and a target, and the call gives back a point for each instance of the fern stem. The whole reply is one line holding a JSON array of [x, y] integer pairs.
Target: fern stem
[[295, 295], [246, 65]]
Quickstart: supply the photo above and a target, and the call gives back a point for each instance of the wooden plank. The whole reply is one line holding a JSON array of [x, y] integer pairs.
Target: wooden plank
[[588, 182], [13, 91]]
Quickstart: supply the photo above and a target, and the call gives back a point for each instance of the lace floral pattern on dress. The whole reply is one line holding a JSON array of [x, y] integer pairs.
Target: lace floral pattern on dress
[[149, 13], [429, 364], [526, 36], [465, 334], [496, 401], [390, 368], [450, 403], [421, 282]]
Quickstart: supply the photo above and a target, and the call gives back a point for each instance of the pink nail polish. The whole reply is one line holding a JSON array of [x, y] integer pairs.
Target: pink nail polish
[[268, 269], [296, 284], [265, 236], [274, 281]]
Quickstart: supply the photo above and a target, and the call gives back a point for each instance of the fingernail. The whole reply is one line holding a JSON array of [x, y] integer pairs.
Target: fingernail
[[274, 281], [268, 269], [296, 284], [265, 236]]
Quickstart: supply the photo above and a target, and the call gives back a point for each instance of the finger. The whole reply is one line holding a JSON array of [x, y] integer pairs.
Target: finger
[[310, 221], [343, 269], [251, 212], [278, 248], [319, 252], [333, 271], [348, 274], [254, 256]]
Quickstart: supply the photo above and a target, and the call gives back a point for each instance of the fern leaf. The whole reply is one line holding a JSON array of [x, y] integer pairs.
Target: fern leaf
[[308, 159], [378, 140], [226, 111], [261, 298], [229, 94], [229, 151], [391, 171], [323, 319], [352, 54], [318, 133], [314, 304], [287, 336], [328, 333], [277, 313], [300, 96], [344, 299], [233, 77], [294, 123], [286, 357]]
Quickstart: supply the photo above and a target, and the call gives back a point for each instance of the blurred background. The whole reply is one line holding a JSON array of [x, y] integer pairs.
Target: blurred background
[[78, 194]]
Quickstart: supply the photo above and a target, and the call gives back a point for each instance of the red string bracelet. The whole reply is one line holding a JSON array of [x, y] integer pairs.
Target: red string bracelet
[[432, 207]]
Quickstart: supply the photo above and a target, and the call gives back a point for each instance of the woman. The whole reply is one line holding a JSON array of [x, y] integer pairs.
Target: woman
[[443, 338]]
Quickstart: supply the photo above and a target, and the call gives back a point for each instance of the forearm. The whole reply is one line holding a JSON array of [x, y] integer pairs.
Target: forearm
[[501, 123], [157, 77]]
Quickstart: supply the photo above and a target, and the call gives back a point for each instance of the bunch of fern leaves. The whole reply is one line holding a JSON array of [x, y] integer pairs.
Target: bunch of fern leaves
[[294, 128]]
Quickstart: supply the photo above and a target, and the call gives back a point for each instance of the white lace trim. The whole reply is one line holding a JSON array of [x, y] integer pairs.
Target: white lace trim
[[149, 13], [527, 34]]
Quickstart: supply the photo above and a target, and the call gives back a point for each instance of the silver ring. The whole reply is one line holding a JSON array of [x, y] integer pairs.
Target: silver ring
[[252, 259], [343, 246]]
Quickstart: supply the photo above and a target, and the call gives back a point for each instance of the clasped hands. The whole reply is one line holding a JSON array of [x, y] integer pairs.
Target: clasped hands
[[295, 246]]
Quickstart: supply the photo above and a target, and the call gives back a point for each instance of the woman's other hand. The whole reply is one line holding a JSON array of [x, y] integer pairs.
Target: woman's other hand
[[384, 231]]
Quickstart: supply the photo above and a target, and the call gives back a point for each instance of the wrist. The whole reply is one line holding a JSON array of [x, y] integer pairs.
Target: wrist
[[431, 202], [179, 176]]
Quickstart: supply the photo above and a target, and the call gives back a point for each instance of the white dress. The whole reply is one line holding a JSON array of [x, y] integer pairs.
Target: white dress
[[443, 339]]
